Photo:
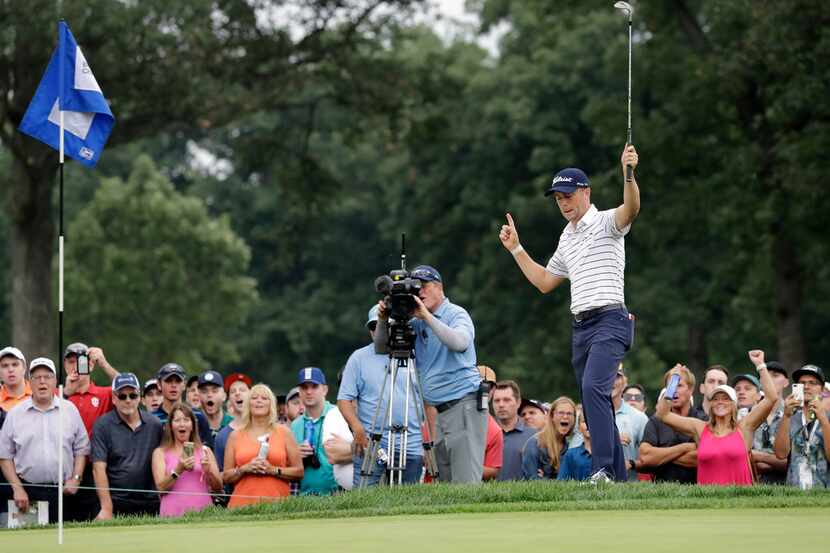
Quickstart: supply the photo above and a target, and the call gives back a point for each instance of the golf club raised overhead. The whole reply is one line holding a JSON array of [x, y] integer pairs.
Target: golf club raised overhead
[[626, 7]]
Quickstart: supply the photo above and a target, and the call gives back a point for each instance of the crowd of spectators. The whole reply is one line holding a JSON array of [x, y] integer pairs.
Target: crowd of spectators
[[165, 449]]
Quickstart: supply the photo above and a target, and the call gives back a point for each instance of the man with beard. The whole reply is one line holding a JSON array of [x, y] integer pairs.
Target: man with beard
[[123, 441], [212, 398]]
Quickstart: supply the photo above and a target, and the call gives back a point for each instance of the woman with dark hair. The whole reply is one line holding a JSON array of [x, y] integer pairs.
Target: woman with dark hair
[[261, 456], [542, 452], [182, 464], [724, 442]]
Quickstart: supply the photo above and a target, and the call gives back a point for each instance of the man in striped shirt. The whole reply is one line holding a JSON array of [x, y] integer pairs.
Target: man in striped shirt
[[591, 253]]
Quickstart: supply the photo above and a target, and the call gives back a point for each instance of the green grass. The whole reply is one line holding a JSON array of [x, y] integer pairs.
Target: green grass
[[539, 496], [618, 531]]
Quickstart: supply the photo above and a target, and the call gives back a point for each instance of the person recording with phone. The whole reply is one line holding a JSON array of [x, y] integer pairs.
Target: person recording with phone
[[591, 254], [803, 432], [667, 455], [724, 442], [445, 356], [91, 400], [182, 464]]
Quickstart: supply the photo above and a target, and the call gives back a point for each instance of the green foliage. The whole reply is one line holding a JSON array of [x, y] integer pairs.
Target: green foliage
[[153, 278]]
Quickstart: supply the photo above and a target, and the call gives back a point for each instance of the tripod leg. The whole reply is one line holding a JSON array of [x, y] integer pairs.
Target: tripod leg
[[430, 464], [370, 456]]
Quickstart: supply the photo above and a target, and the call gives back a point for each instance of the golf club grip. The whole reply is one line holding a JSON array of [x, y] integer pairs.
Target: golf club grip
[[629, 173]]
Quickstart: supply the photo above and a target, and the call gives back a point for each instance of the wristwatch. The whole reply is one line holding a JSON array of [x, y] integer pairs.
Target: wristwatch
[[174, 475], [76, 477], [279, 472]]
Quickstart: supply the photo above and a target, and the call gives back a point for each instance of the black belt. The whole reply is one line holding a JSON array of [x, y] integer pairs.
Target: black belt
[[585, 315], [441, 407]]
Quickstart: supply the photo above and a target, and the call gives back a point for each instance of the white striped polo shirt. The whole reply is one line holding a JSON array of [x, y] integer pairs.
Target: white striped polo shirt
[[592, 256]]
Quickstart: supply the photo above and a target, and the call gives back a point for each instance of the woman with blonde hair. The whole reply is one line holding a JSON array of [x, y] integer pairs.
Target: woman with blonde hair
[[724, 442], [542, 452], [261, 457], [181, 464]]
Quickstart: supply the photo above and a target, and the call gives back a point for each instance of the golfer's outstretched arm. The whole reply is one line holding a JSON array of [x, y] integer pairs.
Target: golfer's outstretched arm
[[630, 208], [535, 273]]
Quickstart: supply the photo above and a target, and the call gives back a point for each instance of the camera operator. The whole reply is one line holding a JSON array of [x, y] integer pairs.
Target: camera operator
[[446, 358]]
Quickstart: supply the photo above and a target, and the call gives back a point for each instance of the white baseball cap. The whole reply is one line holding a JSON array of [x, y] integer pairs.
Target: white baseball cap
[[14, 352], [726, 389], [43, 362]]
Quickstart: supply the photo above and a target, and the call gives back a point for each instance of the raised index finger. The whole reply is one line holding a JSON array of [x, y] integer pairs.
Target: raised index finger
[[510, 221]]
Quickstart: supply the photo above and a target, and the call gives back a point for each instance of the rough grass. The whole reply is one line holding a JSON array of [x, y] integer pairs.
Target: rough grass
[[503, 497]]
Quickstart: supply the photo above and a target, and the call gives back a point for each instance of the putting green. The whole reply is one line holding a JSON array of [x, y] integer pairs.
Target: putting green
[[713, 531]]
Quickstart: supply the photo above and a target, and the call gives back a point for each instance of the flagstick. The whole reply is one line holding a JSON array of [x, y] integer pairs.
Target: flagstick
[[60, 343]]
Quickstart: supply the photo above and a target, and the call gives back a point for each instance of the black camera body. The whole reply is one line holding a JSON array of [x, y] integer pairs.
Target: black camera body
[[399, 290]]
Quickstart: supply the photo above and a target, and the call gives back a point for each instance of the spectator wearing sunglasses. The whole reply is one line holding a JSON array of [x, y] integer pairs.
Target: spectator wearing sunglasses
[[123, 442], [631, 423], [635, 396]]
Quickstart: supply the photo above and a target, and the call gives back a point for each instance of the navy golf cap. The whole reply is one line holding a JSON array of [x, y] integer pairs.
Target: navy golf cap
[[812, 370], [425, 273], [211, 377], [567, 181], [125, 380], [311, 374]]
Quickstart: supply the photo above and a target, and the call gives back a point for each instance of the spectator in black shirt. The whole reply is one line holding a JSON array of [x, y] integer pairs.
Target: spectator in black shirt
[[123, 441], [668, 455]]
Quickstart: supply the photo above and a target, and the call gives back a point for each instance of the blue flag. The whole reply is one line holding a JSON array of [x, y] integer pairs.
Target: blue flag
[[70, 86]]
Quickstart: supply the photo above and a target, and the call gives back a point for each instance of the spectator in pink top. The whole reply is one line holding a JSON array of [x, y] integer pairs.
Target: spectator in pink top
[[724, 442], [182, 464]]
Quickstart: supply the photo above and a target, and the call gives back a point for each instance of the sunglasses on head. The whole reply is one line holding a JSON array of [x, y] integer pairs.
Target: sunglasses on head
[[124, 397], [633, 397]]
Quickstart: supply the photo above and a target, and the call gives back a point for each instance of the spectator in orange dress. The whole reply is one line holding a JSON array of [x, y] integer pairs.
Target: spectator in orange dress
[[261, 457]]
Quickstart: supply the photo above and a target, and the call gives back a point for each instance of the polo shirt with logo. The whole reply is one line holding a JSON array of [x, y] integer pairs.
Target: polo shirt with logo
[[592, 255], [93, 403]]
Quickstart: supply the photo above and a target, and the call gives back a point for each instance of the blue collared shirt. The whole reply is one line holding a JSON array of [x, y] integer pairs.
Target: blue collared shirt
[[362, 381], [446, 375]]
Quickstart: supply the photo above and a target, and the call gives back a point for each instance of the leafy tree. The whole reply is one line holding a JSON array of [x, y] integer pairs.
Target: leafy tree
[[156, 279]]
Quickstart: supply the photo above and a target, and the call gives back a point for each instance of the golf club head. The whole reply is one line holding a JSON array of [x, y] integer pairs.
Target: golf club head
[[625, 6]]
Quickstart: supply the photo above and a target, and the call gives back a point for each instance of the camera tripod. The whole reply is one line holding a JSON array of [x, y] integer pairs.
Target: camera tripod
[[397, 434]]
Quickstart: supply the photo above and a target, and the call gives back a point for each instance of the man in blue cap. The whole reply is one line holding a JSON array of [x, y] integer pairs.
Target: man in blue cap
[[445, 357], [362, 384], [591, 253], [318, 478], [123, 442]]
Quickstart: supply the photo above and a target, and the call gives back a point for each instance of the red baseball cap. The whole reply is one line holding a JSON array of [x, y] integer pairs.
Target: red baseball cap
[[237, 377]]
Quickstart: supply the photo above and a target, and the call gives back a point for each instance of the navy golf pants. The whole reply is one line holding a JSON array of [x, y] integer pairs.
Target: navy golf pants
[[599, 345]]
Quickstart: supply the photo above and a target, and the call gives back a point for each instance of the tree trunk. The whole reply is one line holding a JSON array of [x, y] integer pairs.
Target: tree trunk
[[33, 243], [791, 352], [697, 352]]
